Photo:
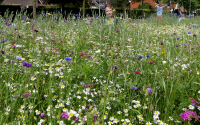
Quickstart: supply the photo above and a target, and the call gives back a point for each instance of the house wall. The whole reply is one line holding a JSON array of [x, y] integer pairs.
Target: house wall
[[134, 5]]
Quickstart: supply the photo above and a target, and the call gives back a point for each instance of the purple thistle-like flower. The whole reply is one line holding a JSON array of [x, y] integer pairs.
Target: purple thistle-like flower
[[72, 51], [26, 95], [194, 35], [44, 14], [150, 91], [134, 88]]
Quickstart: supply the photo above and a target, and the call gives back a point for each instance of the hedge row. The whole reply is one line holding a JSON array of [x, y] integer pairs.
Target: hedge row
[[134, 13]]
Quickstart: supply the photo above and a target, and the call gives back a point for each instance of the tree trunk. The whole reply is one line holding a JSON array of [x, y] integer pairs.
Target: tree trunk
[[83, 8], [124, 10], [34, 10]]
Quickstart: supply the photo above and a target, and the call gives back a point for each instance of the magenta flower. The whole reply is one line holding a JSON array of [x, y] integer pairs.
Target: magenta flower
[[82, 54], [76, 119], [64, 115], [188, 115], [94, 117], [89, 56], [137, 72], [42, 115]]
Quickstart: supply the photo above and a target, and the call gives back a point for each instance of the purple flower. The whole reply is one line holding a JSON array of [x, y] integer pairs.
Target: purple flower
[[55, 18], [149, 90], [44, 14], [134, 88], [194, 35], [72, 51], [117, 30], [3, 52], [189, 33], [176, 45], [64, 115], [26, 95], [103, 9], [28, 65], [24, 63]]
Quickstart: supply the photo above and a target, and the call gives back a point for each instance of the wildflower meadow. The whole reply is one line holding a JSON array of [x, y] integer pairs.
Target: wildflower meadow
[[94, 70]]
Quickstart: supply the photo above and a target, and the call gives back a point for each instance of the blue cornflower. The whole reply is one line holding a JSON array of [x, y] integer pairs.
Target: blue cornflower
[[96, 16], [77, 15], [68, 58], [140, 57], [23, 17], [91, 21], [178, 38], [103, 9], [148, 56], [44, 14], [189, 33], [195, 26], [114, 67], [18, 58]]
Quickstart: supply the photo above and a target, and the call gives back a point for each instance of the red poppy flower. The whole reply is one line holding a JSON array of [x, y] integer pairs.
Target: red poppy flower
[[191, 95]]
